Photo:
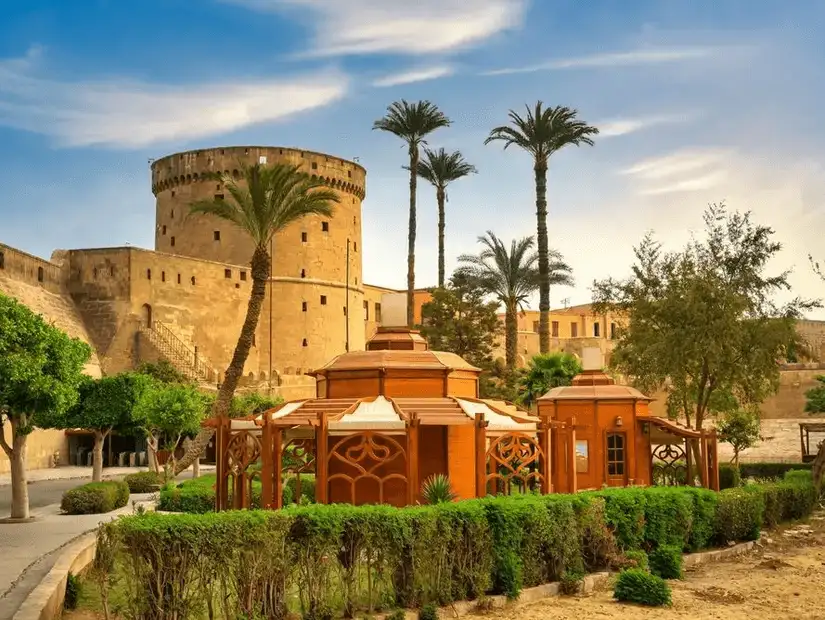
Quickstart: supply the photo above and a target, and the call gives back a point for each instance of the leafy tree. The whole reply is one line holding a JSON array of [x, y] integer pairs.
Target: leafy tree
[[460, 321], [511, 277], [545, 372], [163, 371], [741, 429], [412, 122], [252, 403], [106, 405], [169, 412], [701, 322], [815, 397], [440, 169], [543, 132], [41, 369], [264, 201]]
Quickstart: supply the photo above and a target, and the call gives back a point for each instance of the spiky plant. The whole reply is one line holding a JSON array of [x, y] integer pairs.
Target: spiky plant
[[438, 490]]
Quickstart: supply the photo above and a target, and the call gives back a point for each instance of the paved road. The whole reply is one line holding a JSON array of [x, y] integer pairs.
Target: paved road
[[41, 493]]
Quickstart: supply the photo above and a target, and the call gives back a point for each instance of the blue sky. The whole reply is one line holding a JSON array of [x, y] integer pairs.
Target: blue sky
[[697, 102]]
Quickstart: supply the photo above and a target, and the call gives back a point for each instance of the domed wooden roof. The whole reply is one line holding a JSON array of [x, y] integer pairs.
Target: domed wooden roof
[[594, 385], [408, 360]]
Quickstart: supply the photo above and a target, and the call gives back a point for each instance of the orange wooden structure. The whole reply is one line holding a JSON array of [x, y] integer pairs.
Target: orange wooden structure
[[609, 438], [384, 421]]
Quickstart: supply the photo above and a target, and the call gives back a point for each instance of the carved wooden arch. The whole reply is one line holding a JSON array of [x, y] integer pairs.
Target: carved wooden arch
[[514, 458], [243, 449], [363, 453]]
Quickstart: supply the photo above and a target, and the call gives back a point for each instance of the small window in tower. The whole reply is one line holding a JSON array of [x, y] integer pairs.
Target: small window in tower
[[303, 273], [349, 173], [574, 330], [345, 311], [323, 300], [172, 213], [172, 240], [303, 306], [218, 186], [40, 274], [305, 343], [303, 237], [366, 310], [148, 274], [356, 281], [178, 278], [354, 246], [2, 260], [193, 280], [555, 329], [163, 232], [315, 165], [216, 235], [243, 276], [94, 273], [111, 270], [378, 313], [325, 226], [354, 220], [595, 330], [221, 151], [218, 196], [246, 151], [163, 276], [227, 273]]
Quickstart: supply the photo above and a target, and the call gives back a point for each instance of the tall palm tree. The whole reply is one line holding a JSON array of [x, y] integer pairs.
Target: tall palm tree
[[511, 277], [440, 169], [411, 122], [263, 202], [543, 132]]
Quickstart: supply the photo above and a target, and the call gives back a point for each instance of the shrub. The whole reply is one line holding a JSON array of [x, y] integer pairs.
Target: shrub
[[729, 476], [73, 586], [637, 586], [95, 498], [739, 514], [666, 562], [571, 582], [428, 612], [143, 482], [638, 558], [438, 489], [197, 496], [398, 614], [763, 471]]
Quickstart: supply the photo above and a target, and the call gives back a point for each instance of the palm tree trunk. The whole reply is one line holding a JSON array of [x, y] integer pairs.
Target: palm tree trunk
[[97, 458], [260, 276], [440, 195], [510, 337], [411, 238], [540, 170]]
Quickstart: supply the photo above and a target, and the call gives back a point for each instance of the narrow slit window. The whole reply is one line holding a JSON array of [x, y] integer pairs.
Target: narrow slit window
[[243, 276], [178, 278], [325, 226], [163, 276], [173, 241], [305, 343], [303, 237], [303, 306], [216, 235], [40, 274], [227, 273], [323, 300], [148, 274]]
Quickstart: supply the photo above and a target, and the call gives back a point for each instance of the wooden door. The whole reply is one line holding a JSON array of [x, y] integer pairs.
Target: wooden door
[[616, 459]]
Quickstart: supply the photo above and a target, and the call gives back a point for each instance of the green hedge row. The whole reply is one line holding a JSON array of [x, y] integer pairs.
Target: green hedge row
[[323, 560], [95, 498], [197, 496], [143, 482], [730, 477]]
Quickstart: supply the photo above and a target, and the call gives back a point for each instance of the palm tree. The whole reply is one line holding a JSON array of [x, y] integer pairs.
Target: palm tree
[[411, 122], [440, 169], [541, 133], [265, 200], [544, 372], [511, 277]]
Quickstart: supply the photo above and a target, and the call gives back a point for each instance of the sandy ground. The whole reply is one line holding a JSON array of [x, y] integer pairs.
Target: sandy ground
[[782, 579]]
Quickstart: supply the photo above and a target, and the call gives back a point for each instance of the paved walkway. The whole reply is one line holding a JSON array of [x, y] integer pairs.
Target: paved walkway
[[71, 472]]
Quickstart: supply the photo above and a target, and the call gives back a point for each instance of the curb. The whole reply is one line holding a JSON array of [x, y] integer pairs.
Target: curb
[[46, 601]]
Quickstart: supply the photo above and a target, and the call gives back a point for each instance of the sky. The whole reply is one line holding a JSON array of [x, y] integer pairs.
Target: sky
[[696, 102]]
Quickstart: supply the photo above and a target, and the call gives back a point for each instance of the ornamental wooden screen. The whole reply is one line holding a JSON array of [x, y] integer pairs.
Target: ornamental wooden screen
[[516, 462], [368, 468], [238, 451]]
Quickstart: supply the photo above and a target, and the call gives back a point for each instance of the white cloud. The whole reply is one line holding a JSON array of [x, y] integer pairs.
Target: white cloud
[[398, 26], [623, 126], [648, 56], [133, 114], [413, 75]]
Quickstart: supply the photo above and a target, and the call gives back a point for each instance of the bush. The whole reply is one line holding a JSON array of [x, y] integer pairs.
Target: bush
[[197, 496], [638, 558], [764, 471], [398, 614], [428, 612], [739, 514], [143, 482], [730, 476], [666, 562], [637, 586], [571, 582], [95, 498], [73, 586]]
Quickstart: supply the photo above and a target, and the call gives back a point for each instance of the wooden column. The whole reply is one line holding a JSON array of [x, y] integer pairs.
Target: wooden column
[[689, 475], [703, 455], [277, 468], [714, 471], [545, 426], [481, 455], [266, 464], [412, 459], [572, 485], [222, 459], [321, 460]]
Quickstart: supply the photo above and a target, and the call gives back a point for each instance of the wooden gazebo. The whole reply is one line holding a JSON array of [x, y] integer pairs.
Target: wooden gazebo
[[383, 422]]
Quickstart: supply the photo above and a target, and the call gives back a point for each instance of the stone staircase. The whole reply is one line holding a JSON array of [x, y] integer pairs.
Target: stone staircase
[[178, 353]]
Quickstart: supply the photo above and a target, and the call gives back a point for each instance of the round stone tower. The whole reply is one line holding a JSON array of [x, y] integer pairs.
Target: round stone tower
[[305, 318]]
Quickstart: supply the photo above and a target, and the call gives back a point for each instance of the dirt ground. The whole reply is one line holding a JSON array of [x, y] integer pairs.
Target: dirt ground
[[783, 579]]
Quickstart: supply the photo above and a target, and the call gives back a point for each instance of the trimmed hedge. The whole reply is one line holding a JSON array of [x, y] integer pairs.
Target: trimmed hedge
[[730, 476], [330, 559], [143, 482], [95, 498], [637, 586], [197, 496], [666, 562]]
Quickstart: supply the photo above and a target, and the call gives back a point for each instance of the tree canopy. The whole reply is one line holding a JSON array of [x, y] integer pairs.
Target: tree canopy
[[703, 321], [815, 397], [168, 412], [544, 372]]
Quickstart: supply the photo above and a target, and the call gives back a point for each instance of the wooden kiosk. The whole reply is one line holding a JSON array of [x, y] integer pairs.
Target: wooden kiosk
[[384, 420], [607, 437]]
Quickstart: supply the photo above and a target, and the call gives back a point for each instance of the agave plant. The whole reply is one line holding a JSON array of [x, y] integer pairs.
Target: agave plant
[[437, 490]]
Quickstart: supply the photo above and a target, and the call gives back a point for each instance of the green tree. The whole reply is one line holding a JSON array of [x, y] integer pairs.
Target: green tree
[[543, 132], [263, 202], [106, 405], [701, 322], [815, 397], [511, 277], [253, 403], [441, 168], [412, 122], [545, 372], [740, 428], [168, 412], [41, 369], [459, 320], [163, 371]]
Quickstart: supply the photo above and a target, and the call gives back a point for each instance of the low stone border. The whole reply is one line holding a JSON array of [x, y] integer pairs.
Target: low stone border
[[46, 600]]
